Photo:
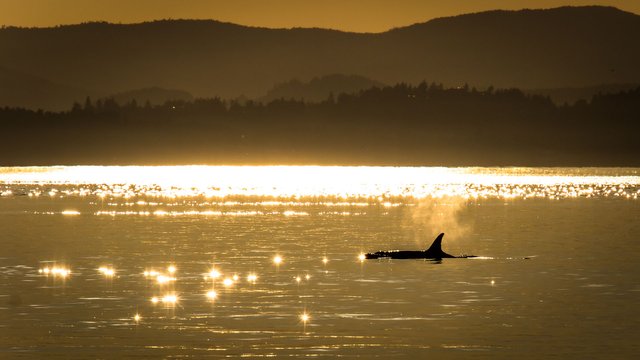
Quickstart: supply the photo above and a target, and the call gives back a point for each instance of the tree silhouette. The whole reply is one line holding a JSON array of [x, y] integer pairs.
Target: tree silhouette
[[401, 124]]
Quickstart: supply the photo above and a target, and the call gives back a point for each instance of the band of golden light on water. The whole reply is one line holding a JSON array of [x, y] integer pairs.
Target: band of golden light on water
[[291, 185]]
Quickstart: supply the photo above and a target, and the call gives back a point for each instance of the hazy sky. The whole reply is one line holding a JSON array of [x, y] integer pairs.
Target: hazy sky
[[348, 15]]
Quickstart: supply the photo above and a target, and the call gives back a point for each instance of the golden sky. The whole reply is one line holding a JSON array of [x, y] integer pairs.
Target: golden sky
[[347, 15]]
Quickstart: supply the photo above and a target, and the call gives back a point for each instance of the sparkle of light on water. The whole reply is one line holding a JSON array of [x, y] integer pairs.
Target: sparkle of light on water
[[557, 273]]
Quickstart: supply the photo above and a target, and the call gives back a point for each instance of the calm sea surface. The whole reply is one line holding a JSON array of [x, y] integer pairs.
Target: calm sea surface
[[174, 262]]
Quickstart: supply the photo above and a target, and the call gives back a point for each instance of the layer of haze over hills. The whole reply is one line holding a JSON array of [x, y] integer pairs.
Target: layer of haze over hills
[[320, 88], [151, 96], [564, 48]]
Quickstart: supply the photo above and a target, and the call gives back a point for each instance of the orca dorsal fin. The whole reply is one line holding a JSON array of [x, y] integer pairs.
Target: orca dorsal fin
[[436, 246]]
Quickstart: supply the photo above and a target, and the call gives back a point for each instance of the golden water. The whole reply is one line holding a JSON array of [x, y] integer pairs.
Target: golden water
[[109, 262]]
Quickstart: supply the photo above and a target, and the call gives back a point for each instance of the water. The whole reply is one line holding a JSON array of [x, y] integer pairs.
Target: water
[[558, 275]]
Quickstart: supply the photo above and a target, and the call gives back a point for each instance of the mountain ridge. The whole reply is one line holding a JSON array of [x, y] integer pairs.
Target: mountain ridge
[[553, 48]]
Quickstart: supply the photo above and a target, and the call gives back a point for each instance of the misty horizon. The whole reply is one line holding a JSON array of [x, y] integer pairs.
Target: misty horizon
[[231, 61], [490, 88]]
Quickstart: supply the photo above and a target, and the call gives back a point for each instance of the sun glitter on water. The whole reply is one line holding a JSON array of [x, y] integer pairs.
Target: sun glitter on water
[[279, 182], [304, 317], [55, 271], [211, 295], [107, 271]]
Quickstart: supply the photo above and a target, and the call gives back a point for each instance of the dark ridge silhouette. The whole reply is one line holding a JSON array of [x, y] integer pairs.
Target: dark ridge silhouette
[[529, 49], [426, 124], [571, 95], [153, 95], [319, 88], [551, 48]]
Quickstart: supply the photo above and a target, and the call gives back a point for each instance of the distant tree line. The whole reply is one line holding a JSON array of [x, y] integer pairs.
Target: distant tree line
[[426, 124]]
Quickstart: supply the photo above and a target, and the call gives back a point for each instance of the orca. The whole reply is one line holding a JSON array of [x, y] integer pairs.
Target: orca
[[433, 252]]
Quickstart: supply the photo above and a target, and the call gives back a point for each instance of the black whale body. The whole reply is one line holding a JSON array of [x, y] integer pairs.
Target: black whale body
[[433, 252]]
